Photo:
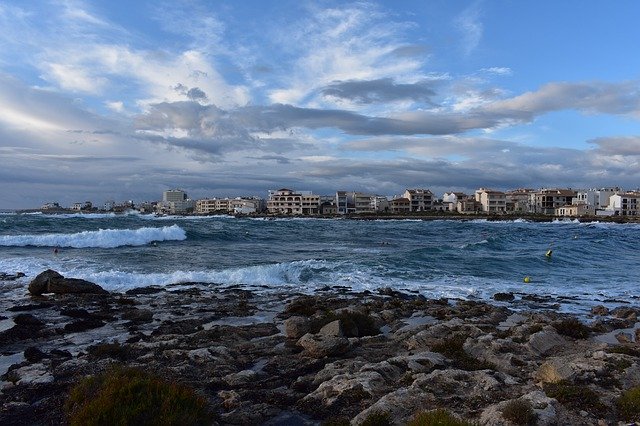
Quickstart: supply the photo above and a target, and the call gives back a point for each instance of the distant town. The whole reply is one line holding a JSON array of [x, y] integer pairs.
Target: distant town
[[559, 202]]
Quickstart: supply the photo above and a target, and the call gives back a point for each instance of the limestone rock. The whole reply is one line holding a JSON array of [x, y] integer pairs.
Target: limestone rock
[[544, 341], [600, 310], [297, 326], [554, 370], [319, 346]]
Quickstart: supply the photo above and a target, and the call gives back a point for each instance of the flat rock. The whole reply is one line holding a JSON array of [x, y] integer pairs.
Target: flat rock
[[319, 346]]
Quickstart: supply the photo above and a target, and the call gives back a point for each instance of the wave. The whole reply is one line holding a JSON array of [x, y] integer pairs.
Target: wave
[[103, 238]]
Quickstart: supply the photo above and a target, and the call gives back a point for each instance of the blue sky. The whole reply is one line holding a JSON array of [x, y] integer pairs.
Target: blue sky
[[122, 100]]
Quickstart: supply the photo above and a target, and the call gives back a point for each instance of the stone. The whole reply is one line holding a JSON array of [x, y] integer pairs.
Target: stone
[[138, 316], [83, 325], [624, 312], [27, 320], [51, 281], [334, 328], [503, 297], [554, 371], [600, 310], [33, 354], [545, 340], [319, 346], [241, 378], [297, 326]]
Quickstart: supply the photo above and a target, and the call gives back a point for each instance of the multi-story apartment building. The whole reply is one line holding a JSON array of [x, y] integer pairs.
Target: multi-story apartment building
[[349, 202], [627, 204], [400, 205], [574, 210], [519, 200], [491, 201], [379, 204], [284, 201], [468, 205], [546, 200], [310, 204], [420, 199], [173, 195]]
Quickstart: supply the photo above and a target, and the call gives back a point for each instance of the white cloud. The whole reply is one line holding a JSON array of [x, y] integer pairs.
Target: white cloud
[[469, 25]]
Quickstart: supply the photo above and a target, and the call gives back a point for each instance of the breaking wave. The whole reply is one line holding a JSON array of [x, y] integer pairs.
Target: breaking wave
[[103, 238]]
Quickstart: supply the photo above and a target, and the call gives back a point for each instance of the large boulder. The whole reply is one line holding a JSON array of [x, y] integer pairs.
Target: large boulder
[[51, 281], [320, 346]]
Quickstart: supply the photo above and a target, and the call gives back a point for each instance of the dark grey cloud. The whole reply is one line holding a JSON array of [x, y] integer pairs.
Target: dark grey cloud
[[380, 91], [193, 93]]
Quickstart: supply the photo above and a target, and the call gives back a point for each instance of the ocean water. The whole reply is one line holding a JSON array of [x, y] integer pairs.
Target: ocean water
[[591, 264]]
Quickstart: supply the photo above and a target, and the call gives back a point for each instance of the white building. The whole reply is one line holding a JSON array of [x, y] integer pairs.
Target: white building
[[420, 199], [284, 201], [546, 200], [491, 201], [595, 199], [624, 204]]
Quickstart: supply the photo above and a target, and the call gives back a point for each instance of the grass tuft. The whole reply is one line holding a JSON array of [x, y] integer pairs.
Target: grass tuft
[[628, 404], [571, 327], [126, 396], [453, 348], [519, 412], [438, 417]]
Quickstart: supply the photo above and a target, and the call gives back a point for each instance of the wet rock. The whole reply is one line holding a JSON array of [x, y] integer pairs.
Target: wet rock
[[600, 310], [503, 297], [241, 378], [33, 354], [27, 320], [319, 346], [11, 277], [138, 316], [51, 281], [145, 290], [83, 325], [183, 327], [297, 326], [624, 312], [75, 313]]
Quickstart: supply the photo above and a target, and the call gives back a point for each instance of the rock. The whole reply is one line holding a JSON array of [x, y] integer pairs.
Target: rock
[[33, 354], [423, 362], [40, 284], [334, 328], [9, 277], [51, 281], [145, 290], [624, 312], [600, 310], [27, 320], [75, 313], [230, 399], [541, 405], [554, 371], [319, 346], [29, 307], [503, 297], [623, 337], [138, 316], [544, 341], [241, 378], [297, 326], [83, 325]]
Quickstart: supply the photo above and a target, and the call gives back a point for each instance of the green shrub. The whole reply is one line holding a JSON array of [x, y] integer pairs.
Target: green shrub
[[624, 349], [573, 328], [519, 412], [125, 396], [377, 418], [453, 349], [438, 417], [629, 404], [575, 396]]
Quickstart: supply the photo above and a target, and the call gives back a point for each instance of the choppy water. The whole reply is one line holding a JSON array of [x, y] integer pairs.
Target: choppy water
[[591, 263]]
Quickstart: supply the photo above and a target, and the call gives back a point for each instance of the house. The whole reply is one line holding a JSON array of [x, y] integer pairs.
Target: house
[[420, 199], [284, 201], [491, 201], [519, 200], [595, 199], [400, 205], [627, 204], [573, 210], [546, 200]]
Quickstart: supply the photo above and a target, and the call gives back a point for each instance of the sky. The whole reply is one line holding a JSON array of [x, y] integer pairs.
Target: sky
[[122, 100]]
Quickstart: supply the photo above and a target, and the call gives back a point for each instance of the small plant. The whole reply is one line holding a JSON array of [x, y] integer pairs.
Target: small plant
[[629, 404], [438, 417], [109, 350], [519, 412], [125, 396], [624, 349], [453, 349], [573, 328], [377, 418], [575, 396]]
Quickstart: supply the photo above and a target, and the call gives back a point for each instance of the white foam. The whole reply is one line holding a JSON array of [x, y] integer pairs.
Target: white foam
[[103, 238]]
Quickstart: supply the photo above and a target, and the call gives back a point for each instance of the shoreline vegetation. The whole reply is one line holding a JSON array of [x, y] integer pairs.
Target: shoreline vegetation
[[73, 353], [425, 215]]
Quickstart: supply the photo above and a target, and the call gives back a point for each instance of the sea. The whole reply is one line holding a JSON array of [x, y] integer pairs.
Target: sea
[[590, 263]]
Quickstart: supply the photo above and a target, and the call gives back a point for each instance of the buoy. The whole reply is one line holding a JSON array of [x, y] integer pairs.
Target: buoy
[[548, 254], [527, 280]]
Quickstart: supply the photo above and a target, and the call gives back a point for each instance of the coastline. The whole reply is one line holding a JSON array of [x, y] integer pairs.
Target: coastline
[[425, 216], [336, 355]]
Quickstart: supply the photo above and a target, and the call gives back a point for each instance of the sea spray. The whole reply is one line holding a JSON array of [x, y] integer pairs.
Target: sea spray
[[103, 238]]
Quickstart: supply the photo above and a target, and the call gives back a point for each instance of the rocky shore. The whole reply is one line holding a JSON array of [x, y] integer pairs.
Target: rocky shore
[[333, 357]]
